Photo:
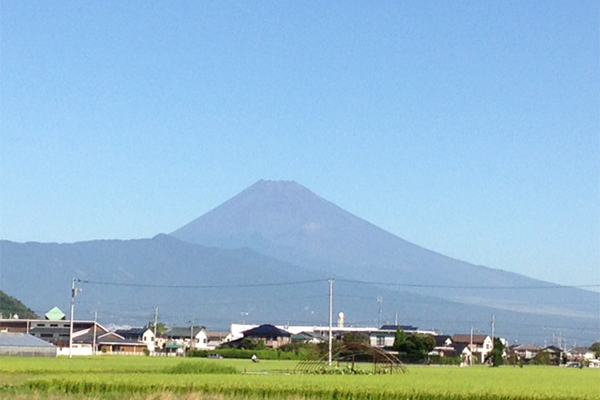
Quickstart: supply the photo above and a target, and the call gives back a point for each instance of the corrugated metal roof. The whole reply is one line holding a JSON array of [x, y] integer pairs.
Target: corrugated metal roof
[[15, 339]]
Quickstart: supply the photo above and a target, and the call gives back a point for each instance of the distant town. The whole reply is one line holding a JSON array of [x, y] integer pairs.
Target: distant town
[[55, 335]]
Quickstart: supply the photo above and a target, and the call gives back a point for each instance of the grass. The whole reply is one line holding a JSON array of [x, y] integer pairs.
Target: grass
[[199, 379]]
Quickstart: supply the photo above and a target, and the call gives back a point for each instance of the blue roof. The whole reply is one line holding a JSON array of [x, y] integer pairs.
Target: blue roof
[[265, 331], [15, 339]]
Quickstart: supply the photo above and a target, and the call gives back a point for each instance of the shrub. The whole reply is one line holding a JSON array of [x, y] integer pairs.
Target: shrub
[[247, 354], [200, 368]]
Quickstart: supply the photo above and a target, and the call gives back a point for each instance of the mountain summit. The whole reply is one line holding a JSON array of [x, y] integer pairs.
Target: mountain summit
[[287, 221], [265, 256]]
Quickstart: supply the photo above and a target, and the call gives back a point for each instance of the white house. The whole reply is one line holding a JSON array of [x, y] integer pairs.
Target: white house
[[194, 337], [479, 345], [526, 352], [144, 335]]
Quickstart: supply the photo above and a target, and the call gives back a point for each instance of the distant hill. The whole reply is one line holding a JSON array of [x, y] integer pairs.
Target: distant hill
[[289, 222], [9, 306], [123, 280], [265, 257]]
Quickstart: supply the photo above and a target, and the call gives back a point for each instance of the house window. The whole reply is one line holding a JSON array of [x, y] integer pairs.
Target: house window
[[380, 341]]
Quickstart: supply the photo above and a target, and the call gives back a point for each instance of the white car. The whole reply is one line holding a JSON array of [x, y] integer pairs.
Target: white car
[[594, 364]]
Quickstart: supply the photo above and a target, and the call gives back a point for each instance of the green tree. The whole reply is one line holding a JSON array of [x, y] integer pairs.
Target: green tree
[[399, 339], [413, 347], [355, 337], [542, 358], [495, 357], [252, 344], [161, 328], [596, 349], [10, 306]]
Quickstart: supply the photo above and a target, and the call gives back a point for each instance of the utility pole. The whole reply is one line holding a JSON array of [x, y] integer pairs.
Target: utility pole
[[192, 333], [330, 356], [560, 341], [94, 344], [155, 324], [74, 291], [396, 319], [379, 301], [493, 323], [471, 346]]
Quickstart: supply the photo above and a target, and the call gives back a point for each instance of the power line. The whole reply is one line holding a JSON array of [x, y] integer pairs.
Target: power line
[[416, 285], [199, 286], [361, 282]]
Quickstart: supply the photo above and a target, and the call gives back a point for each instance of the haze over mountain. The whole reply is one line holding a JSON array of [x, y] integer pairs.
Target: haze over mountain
[[123, 280], [287, 221], [266, 255]]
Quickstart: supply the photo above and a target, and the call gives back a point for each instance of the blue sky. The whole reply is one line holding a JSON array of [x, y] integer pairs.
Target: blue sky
[[470, 128]]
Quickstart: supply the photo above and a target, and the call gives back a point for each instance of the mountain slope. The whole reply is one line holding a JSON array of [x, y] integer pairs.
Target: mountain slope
[[10, 306], [124, 280], [289, 222]]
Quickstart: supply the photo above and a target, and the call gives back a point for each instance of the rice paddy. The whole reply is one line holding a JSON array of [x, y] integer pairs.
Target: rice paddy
[[148, 378]]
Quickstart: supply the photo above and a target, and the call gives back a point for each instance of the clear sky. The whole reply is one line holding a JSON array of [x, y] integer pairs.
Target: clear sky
[[468, 127]]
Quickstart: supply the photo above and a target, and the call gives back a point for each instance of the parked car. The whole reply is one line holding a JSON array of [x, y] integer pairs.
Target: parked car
[[594, 364]]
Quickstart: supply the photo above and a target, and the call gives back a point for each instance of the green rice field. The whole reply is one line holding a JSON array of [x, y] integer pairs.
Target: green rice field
[[111, 377]]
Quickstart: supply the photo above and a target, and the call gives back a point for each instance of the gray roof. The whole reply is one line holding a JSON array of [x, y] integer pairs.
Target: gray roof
[[212, 334], [15, 339], [106, 338], [183, 332], [527, 347]]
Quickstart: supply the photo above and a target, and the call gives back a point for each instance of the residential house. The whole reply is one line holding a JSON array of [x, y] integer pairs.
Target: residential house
[[105, 343], [215, 338], [580, 354], [555, 355], [462, 350], [309, 337], [385, 337], [143, 335], [191, 337], [525, 352], [479, 345], [443, 346], [272, 336]]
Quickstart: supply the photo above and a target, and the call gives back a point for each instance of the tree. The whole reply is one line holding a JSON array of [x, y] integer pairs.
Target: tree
[[596, 349], [414, 347], [161, 328], [495, 357], [355, 337], [252, 344], [399, 339]]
